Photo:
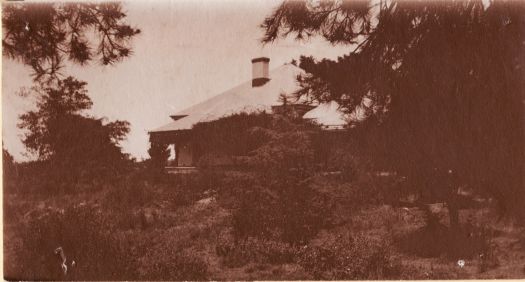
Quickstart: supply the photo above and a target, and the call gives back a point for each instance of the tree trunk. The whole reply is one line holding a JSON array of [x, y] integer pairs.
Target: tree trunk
[[453, 201], [453, 209], [453, 214]]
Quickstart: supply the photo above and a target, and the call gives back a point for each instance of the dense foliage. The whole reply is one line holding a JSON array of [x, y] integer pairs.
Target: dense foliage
[[69, 144], [43, 35], [9, 170], [159, 155], [290, 214], [228, 136], [350, 257], [83, 235], [276, 156], [75, 145], [440, 82], [267, 142]]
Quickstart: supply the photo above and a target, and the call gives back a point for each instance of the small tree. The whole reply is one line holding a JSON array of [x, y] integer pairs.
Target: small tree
[[159, 154], [72, 143], [276, 156], [8, 161], [9, 169]]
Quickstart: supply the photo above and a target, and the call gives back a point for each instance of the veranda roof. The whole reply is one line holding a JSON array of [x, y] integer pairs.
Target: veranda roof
[[328, 116]]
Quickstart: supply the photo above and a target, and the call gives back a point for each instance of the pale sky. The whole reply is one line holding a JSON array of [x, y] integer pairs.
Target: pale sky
[[187, 52]]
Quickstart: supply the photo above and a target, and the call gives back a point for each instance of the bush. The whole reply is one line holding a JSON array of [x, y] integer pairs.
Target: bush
[[173, 264], [303, 212], [242, 252], [44, 178], [128, 193], [84, 236], [174, 253], [140, 188], [350, 258], [159, 155], [280, 208], [10, 171], [185, 189], [257, 214], [434, 240]]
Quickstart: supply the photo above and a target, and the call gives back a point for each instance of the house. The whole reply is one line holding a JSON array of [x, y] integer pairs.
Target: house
[[264, 92]]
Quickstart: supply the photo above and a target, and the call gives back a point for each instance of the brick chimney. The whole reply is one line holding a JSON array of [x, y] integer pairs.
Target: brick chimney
[[260, 71]]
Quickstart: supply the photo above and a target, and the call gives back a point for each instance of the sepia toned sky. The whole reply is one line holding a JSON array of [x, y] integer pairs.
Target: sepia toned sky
[[187, 52]]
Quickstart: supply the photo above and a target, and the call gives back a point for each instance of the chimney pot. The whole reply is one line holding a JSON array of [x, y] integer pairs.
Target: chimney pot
[[260, 71]]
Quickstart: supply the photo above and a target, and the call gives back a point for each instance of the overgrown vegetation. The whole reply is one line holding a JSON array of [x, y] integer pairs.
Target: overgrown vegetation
[[84, 234], [350, 257], [276, 197], [278, 211]]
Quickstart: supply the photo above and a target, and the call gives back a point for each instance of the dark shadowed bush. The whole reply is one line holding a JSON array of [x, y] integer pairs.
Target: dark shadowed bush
[[256, 213], [229, 135], [159, 155], [9, 172], [85, 238], [434, 240], [185, 189], [350, 257], [169, 264], [254, 250], [303, 212], [277, 208]]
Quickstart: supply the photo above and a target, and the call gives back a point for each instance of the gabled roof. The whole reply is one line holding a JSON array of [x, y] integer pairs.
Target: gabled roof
[[242, 98]]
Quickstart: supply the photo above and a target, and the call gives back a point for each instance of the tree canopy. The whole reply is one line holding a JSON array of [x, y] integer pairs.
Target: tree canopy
[[44, 35], [443, 81], [58, 130]]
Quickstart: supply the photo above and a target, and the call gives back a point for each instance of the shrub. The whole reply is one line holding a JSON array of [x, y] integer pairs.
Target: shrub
[[128, 193], [173, 264], [241, 252], [185, 189], [9, 172], [349, 258], [173, 253], [42, 178], [257, 214], [84, 236], [280, 208], [303, 212], [434, 240]]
